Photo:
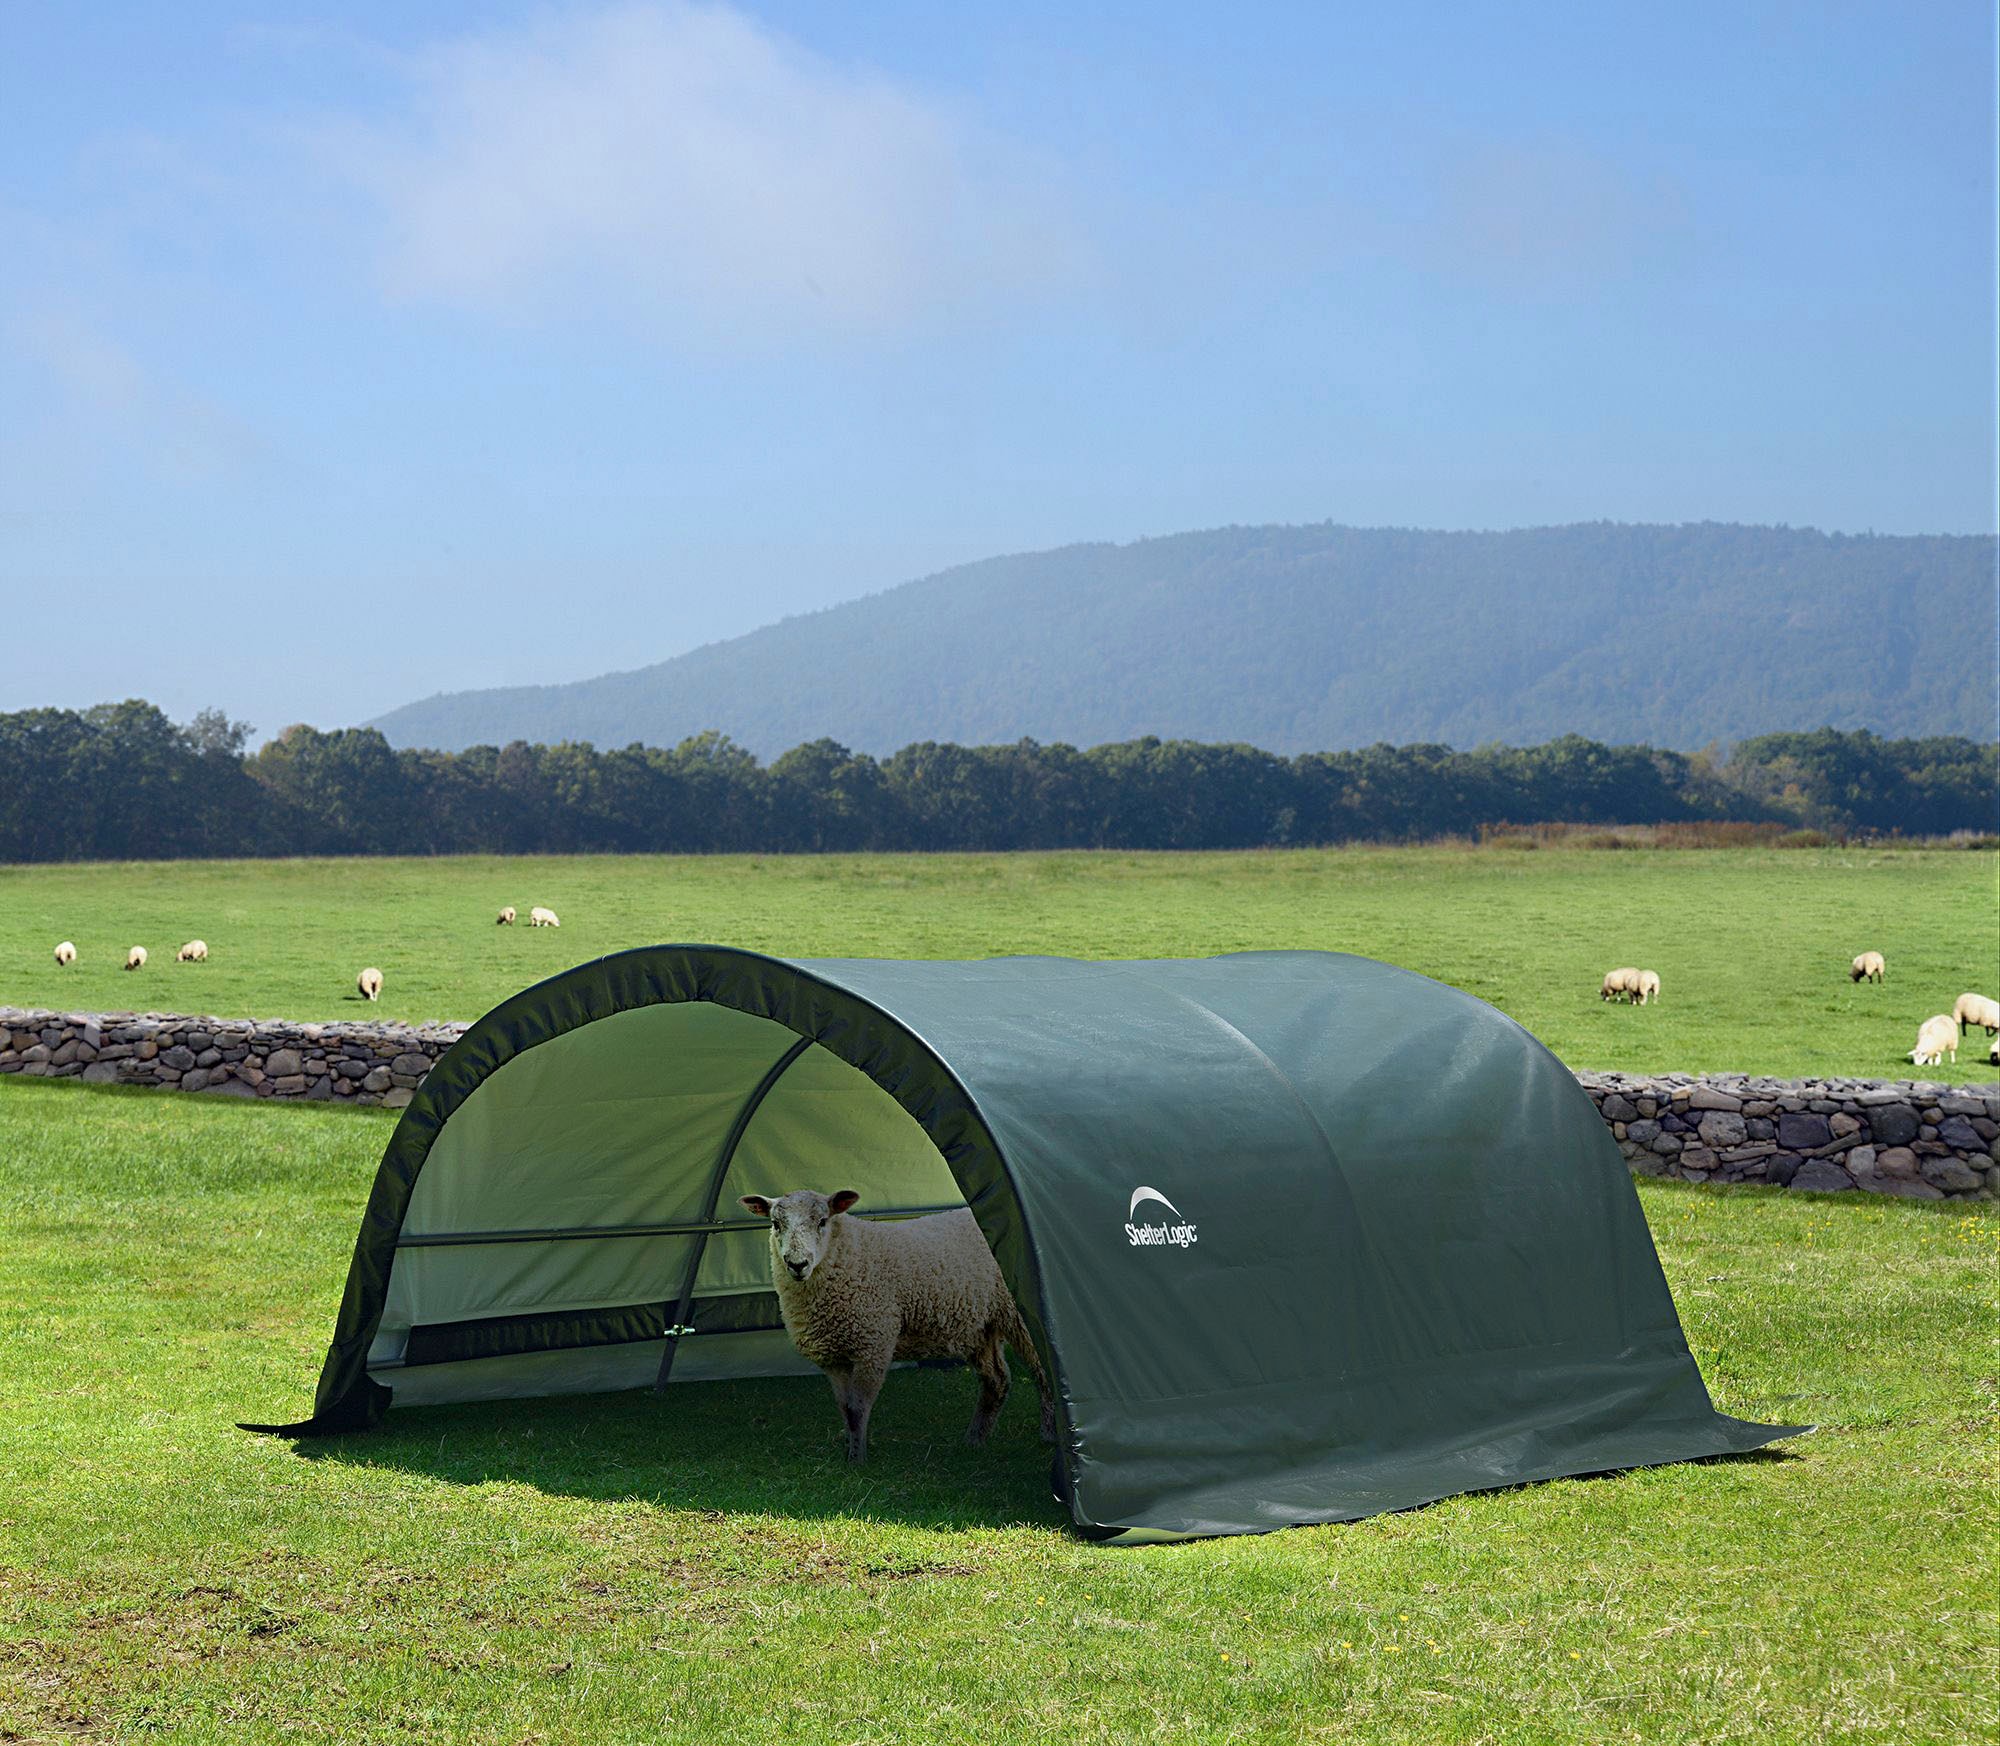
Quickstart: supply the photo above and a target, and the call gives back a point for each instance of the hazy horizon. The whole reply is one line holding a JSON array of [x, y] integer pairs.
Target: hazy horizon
[[644, 662]]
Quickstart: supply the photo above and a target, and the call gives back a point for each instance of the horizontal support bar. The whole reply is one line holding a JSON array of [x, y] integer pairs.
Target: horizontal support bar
[[754, 1312], [579, 1233]]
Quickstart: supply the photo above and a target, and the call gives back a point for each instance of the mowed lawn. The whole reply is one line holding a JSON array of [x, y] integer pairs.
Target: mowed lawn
[[1752, 945], [708, 1568]]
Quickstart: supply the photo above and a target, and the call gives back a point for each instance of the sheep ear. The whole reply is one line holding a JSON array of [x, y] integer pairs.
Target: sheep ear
[[842, 1201], [758, 1205]]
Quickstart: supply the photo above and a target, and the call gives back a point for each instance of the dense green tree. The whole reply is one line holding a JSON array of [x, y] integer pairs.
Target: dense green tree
[[1856, 781], [824, 797], [346, 789], [121, 781]]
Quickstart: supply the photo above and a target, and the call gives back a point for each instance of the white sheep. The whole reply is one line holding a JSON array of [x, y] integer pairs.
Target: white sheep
[[194, 952], [369, 982], [1649, 986], [136, 958], [858, 1295], [65, 954], [543, 918], [1977, 1009], [505, 918], [1619, 984], [1867, 967], [1937, 1036]]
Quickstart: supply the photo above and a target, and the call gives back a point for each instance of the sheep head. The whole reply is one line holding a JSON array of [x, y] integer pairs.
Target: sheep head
[[801, 1227]]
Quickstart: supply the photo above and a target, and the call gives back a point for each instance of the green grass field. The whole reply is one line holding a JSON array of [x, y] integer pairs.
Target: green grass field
[[1752, 945], [708, 1568]]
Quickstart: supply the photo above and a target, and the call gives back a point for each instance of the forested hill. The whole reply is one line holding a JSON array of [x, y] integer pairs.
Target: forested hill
[[1317, 638]]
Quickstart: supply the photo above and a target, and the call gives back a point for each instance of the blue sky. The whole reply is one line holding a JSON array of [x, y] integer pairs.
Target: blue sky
[[351, 354]]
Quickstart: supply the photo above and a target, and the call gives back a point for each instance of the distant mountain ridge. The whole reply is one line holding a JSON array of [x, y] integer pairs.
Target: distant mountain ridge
[[1327, 637]]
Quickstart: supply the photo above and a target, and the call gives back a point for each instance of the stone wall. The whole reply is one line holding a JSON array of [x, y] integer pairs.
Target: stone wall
[[1922, 1140], [1918, 1139], [349, 1063]]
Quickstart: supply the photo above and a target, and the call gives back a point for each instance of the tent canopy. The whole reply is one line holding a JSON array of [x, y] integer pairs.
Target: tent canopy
[[1301, 1237]]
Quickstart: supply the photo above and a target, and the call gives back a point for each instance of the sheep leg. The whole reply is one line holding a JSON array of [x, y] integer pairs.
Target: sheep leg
[[994, 1380], [1015, 1333], [843, 1397], [856, 1390]]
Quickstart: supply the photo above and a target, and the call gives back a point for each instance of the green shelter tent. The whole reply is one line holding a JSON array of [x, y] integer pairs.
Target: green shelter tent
[[1301, 1237]]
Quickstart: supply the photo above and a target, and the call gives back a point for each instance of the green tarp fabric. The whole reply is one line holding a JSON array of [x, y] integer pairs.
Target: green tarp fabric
[[1302, 1237]]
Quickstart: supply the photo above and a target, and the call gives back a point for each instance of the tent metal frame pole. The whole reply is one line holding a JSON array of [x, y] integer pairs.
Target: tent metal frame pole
[[583, 1233], [677, 1321]]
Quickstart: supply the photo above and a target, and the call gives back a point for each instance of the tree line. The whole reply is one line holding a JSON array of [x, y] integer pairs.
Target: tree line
[[121, 781]]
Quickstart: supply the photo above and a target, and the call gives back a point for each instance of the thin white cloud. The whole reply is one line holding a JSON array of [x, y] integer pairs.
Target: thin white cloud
[[685, 162], [1523, 214], [99, 398], [88, 365]]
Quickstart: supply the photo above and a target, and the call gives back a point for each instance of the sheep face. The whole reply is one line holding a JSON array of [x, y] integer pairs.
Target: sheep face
[[801, 1227]]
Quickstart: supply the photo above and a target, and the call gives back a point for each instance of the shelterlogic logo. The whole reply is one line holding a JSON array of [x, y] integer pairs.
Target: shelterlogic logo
[[1177, 1236]]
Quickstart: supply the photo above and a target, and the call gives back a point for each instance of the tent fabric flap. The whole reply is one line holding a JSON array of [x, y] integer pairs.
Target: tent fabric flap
[[1300, 1236]]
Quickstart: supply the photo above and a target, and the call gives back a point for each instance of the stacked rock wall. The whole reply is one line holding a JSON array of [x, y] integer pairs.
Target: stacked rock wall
[[351, 1063], [1922, 1140], [1912, 1138]]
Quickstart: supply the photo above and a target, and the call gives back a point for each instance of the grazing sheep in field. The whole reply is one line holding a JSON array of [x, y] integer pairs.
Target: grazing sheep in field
[[66, 954], [1936, 1037], [856, 1296], [1649, 986], [369, 982], [543, 918], [136, 958], [1867, 967], [194, 952], [505, 918], [1976, 1009], [1993, 1052], [1619, 984]]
